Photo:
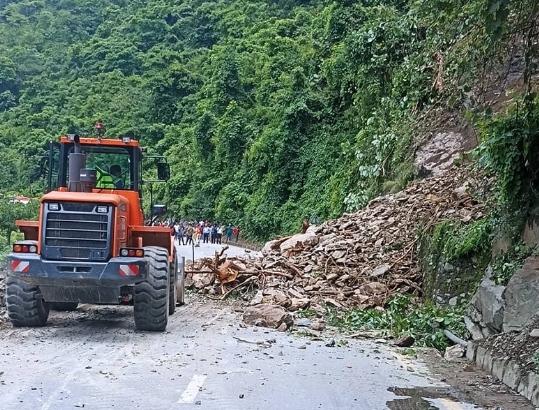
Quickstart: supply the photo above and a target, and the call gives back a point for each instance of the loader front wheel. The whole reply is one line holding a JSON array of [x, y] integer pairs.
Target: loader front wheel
[[25, 306], [151, 297]]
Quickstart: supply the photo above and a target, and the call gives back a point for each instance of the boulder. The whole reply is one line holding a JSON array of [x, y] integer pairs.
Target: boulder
[[489, 301], [454, 353], [271, 315], [473, 328], [522, 296], [296, 241], [202, 280]]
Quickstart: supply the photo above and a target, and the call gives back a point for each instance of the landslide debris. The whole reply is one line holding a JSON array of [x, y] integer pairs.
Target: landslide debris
[[357, 260]]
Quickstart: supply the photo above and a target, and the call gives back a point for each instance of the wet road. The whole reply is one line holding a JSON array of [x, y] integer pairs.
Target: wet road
[[94, 359], [208, 250]]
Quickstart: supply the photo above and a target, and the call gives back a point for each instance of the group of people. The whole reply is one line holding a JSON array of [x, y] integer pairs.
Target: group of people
[[205, 231]]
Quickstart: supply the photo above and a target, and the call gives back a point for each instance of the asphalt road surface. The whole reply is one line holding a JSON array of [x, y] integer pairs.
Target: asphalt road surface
[[204, 250], [94, 359], [207, 359]]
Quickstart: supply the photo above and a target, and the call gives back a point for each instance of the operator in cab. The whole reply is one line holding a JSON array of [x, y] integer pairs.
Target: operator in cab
[[104, 180]]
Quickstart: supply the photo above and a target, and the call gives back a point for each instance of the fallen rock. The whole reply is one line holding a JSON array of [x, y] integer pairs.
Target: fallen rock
[[303, 322], [362, 259], [295, 243], [318, 325], [405, 341], [272, 316], [454, 353]]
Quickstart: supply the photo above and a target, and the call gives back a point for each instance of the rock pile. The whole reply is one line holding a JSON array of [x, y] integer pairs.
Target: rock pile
[[360, 259]]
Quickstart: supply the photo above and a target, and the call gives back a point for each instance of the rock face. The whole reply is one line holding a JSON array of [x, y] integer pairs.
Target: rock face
[[438, 154], [497, 309], [522, 296]]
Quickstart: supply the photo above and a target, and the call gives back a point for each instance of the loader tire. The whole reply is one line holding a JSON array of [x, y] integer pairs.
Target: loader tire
[[64, 306], [151, 296], [25, 306]]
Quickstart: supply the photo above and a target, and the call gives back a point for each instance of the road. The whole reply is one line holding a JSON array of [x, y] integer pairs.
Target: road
[[208, 250], [94, 359]]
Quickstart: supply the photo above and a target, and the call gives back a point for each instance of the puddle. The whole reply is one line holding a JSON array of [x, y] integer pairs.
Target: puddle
[[422, 398]]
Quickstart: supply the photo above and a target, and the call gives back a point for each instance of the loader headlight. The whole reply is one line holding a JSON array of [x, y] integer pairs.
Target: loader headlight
[[102, 209], [54, 206]]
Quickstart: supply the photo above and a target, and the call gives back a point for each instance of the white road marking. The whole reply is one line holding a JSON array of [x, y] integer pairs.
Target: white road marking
[[450, 404], [190, 393]]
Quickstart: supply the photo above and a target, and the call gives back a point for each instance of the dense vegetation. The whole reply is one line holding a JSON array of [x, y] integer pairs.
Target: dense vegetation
[[268, 110]]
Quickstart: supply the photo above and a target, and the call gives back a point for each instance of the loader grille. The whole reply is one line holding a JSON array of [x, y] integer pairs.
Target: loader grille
[[77, 231]]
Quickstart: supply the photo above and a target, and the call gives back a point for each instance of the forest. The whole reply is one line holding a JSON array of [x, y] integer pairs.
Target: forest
[[269, 111]]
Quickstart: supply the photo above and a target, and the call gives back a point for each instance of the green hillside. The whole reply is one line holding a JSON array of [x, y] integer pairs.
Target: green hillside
[[267, 110]]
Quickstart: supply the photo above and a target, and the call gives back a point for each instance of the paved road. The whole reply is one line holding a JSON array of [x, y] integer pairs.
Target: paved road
[[208, 250], [93, 359]]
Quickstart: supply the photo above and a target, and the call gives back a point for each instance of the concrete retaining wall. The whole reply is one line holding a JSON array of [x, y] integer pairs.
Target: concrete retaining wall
[[506, 370]]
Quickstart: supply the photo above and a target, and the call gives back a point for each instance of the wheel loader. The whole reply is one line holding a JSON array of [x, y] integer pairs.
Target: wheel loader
[[91, 244]]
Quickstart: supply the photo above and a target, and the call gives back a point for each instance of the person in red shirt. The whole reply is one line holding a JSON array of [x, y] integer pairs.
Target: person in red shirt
[[236, 232]]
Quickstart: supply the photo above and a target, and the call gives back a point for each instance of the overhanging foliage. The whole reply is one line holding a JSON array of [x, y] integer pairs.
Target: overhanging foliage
[[267, 110]]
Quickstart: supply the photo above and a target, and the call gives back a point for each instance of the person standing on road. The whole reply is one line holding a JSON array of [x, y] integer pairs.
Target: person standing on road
[[236, 232], [199, 233], [219, 234], [179, 234], [189, 235], [195, 236], [214, 233], [228, 233], [206, 234]]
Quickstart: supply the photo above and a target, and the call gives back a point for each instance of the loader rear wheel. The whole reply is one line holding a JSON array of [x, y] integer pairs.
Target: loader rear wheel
[[64, 306], [151, 297], [25, 306]]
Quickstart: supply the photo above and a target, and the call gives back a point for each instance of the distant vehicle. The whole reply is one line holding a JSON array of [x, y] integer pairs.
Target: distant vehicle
[[20, 199], [90, 244]]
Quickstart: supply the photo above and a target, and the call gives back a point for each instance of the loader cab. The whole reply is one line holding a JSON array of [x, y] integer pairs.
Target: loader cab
[[108, 156], [101, 157]]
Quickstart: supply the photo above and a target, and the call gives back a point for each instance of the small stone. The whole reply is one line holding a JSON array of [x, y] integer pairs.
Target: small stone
[[242, 396], [331, 343], [318, 325], [302, 347], [282, 327], [405, 341], [304, 322], [534, 333]]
